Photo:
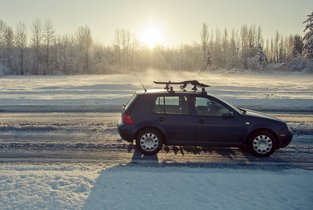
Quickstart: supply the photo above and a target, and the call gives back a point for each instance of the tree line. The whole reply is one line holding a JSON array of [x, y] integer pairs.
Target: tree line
[[45, 52]]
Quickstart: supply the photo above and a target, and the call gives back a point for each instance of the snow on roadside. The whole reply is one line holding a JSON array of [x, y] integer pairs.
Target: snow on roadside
[[45, 186], [87, 186]]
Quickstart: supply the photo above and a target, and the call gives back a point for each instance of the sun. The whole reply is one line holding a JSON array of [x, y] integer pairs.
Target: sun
[[152, 36]]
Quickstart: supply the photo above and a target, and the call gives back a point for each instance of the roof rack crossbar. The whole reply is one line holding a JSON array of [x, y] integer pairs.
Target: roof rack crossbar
[[183, 84]]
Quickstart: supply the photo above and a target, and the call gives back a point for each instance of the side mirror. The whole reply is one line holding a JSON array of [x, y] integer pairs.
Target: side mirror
[[228, 115]]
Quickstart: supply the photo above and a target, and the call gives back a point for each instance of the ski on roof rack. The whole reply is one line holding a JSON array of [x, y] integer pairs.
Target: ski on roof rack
[[183, 85]]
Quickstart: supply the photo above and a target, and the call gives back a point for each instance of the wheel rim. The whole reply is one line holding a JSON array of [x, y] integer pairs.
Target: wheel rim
[[262, 144], [149, 142]]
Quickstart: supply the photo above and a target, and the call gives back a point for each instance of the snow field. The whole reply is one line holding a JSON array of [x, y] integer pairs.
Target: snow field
[[289, 91]]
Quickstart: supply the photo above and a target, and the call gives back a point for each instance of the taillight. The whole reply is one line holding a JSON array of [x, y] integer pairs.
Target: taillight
[[127, 119]]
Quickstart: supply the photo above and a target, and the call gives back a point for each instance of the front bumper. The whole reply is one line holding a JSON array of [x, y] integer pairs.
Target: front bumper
[[285, 137]]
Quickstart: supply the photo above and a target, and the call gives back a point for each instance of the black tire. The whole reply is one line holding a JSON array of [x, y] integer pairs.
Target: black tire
[[149, 141], [262, 143]]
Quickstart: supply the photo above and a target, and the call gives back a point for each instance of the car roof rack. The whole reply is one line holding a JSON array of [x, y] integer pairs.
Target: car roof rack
[[183, 85]]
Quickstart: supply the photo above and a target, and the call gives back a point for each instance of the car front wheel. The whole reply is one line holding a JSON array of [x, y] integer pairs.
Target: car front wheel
[[262, 143], [149, 141]]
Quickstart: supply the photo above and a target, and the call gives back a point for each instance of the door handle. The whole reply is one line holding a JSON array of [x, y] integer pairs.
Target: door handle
[[201, 121]]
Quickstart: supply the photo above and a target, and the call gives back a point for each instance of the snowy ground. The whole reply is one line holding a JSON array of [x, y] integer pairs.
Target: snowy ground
[[59, 147], [99, 186]]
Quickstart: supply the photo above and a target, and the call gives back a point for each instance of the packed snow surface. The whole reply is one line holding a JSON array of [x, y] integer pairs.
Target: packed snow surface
[[97, 186]]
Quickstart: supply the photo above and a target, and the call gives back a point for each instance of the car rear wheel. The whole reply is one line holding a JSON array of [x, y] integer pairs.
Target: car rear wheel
[[149, 141], [262, 143]]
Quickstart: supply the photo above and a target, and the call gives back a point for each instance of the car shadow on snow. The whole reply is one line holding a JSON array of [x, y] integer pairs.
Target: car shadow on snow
[[106, 192], [140, 158], [110, 187]]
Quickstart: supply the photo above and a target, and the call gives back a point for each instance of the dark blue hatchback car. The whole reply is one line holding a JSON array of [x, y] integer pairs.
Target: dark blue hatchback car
[[169, 117]]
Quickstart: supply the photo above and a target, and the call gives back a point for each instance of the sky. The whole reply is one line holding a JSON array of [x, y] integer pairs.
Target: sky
[[170, 22]]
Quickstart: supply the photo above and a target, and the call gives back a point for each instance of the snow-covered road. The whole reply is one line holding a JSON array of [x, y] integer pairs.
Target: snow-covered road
[[93, 137]]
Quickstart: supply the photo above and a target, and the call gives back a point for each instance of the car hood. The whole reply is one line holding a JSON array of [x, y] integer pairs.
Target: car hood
[[255, 114]]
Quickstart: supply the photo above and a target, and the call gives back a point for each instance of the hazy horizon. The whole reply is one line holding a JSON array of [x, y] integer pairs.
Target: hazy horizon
[[171, 22]]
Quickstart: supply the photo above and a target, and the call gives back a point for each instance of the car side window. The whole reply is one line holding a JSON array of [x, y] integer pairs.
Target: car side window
[[208, 107], [171, 105]]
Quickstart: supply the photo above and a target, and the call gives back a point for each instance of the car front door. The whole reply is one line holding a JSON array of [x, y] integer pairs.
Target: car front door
[[216, 123], [172, 113]]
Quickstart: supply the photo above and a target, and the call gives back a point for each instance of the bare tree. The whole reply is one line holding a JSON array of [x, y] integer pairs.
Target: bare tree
[[259, 37], [8, 37], [123, 46], [244, 43], [2, 30], [36, 42], [85, 41], [118, 46], [21, 43], [276, 47], [204, 41], [48, 36], [251, 36]]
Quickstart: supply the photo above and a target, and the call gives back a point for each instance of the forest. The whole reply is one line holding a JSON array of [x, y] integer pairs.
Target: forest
[[40, 50]]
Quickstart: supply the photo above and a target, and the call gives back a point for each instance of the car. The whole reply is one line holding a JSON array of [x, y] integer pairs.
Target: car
[[194, 118]]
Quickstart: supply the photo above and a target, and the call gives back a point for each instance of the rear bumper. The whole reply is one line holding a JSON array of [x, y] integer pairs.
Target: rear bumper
[[285, 137], [126, 132]]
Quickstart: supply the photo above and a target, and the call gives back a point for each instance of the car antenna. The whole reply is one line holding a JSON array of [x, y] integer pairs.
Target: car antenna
[[141, 83]]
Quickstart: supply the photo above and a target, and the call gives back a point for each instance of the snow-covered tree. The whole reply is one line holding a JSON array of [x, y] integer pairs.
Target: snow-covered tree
[[308, 37], [257, 59], [297, 46]]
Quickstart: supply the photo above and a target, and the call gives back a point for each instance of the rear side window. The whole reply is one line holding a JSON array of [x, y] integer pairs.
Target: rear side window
[[171, 105]]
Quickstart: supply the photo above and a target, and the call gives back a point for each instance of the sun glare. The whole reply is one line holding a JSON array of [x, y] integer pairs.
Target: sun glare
[[152, 36]]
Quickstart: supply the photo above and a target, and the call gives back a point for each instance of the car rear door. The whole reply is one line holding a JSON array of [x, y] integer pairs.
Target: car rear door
[[172, 113]]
